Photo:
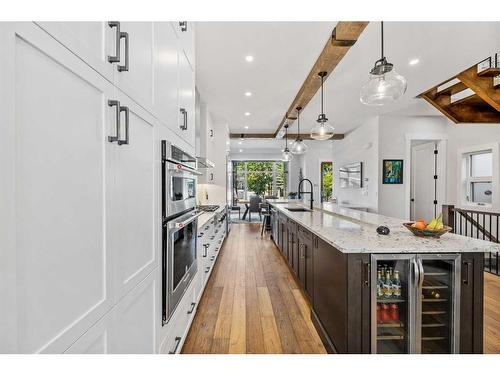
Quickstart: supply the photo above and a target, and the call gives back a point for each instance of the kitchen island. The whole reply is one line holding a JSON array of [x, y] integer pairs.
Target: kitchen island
[[372, 293]]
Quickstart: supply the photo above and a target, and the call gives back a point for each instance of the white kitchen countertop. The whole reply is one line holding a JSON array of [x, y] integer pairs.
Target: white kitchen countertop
[[207, 216], [353, 231]]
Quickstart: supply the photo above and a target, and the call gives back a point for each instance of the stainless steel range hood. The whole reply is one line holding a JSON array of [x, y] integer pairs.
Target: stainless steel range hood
[[203, 162]]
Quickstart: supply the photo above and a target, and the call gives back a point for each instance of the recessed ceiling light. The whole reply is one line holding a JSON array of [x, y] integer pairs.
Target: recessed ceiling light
[[249, 58], [241, 150], [414, 61], [247, 113], [248, 93], [246, 126], [240, 142]]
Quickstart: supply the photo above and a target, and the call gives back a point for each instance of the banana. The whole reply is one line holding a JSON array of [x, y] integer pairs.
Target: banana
[[436, 223]]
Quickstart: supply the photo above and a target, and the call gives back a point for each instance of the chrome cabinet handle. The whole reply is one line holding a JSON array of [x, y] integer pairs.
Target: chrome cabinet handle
[[176, 345], [115, 103], [183, 25], [127, 120], [184, 125], [207, 269], [124, 68], [116, 57], [205, 247], [193, 304], [466, 279]]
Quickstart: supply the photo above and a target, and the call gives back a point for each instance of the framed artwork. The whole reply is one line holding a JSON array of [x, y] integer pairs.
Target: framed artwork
[[392, 171]]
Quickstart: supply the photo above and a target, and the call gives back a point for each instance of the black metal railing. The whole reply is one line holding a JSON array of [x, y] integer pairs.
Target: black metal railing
[[476, 224]]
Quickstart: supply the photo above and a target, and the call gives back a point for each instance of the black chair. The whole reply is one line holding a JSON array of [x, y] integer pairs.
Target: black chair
[[236, 208], [254, 206], [265, 210]]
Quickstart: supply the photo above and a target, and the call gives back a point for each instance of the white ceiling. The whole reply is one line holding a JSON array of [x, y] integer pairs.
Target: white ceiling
[[285, 52], [283, 56]]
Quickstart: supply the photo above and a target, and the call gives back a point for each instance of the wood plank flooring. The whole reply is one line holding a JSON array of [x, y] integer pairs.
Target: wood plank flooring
[[252, 303]]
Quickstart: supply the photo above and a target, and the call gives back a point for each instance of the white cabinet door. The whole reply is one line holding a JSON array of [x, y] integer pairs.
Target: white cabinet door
[[186, 101], [133, 199], [93, 42], [134, 320], [56, 130], [96, 340], [137, 80], [166, 101], [185, 32]]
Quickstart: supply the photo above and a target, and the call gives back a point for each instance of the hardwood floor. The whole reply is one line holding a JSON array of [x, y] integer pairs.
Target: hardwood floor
[[491, 331], [252, 303]]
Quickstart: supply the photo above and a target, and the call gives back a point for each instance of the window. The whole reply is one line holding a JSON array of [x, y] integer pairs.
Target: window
[[479, 177], [326, 180]]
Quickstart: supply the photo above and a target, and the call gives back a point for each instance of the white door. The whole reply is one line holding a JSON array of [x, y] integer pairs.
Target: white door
[[136, 77], [423, 169], [134, 320], [186, 114], [166, 101], [133, 199], [56, 129], [93, 42]]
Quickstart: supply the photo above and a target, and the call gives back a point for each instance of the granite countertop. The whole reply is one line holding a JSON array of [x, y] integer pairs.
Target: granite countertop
[[207, 216], [353, 231]]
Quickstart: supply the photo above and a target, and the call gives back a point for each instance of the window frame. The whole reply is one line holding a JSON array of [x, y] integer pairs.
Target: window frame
[[466, 179]]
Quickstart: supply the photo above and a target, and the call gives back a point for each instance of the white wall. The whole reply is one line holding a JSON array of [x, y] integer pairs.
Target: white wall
[[360, 145]]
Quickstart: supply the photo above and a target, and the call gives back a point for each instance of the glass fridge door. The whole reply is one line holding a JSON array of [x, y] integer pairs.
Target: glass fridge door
[[438, 304], [393, 299]]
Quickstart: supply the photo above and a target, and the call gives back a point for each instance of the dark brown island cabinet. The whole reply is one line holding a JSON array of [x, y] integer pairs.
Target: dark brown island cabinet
[[386, 303]]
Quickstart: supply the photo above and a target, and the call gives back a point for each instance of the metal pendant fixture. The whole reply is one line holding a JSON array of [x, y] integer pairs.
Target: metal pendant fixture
[[298, 146], [384, 85], [323, 130], [287, 155]]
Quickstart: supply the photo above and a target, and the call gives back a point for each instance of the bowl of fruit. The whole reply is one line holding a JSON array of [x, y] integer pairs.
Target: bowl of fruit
[[434, 229]]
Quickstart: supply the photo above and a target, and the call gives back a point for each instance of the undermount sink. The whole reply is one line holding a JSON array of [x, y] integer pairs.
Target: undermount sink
[[298, 209]]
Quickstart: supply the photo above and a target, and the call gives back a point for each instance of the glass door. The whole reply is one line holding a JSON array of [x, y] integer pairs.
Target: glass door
[[392, 295], [437, 318]]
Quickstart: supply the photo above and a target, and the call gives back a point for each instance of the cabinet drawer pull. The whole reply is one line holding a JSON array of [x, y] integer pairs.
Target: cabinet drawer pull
[[190, 311], [366, 278], [183, 25], [177, 341], [115, 103], [207, 269], [124, 68], [468, 265], [116, 57], [127, 120], [184, 113]]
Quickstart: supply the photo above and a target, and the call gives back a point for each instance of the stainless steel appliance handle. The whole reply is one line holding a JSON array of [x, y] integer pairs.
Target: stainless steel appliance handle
[[176, 345], [124, 68], [183, 25], [421, 274], [182, 224], [416, 272], [182, 167], [127, 120], [115, 103], [116, 57]]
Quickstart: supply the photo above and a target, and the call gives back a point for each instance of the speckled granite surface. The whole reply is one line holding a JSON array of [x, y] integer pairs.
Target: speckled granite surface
[[352, 231]]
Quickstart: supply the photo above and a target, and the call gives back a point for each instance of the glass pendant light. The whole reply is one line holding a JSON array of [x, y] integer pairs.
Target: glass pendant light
[[384, 85], [287, 155], [323, 130], [298, 146]]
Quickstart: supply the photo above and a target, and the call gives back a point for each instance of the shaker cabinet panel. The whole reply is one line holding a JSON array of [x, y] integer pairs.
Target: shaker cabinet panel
[[93, 42], [186, 114], [133, 199], [137, 76], [61, 176]]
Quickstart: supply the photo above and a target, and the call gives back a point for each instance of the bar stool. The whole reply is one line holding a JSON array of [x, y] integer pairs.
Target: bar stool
[[266, 217]]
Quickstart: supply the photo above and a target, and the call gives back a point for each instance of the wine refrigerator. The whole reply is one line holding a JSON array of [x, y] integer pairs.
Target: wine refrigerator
[[415, 303]]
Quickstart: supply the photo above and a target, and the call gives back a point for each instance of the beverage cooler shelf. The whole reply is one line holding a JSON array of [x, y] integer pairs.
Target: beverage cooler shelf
[[433, 338], [390, 324], [390, 300], [390, 337], [434, 300]]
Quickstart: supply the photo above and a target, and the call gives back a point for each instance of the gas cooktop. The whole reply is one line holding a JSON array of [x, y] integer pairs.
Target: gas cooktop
[[208, 207]]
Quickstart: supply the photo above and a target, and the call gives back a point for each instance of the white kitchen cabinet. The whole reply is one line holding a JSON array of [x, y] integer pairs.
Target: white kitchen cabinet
[[133, 199], [185, 32], [96, 340], [136, 77], [134, 320], [186, 115], [55, 132], [93, 42], [166, 98]]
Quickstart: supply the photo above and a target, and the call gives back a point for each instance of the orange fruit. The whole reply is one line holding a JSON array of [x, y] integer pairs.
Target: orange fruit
[[419, 225]]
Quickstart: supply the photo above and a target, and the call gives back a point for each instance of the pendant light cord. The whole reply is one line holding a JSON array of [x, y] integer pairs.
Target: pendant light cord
[[322, 95], [298, 122], [382, 37]]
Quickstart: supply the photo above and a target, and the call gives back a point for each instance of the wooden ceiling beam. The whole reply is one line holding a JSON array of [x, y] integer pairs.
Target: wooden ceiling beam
[[342, 38], [272, 136]]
